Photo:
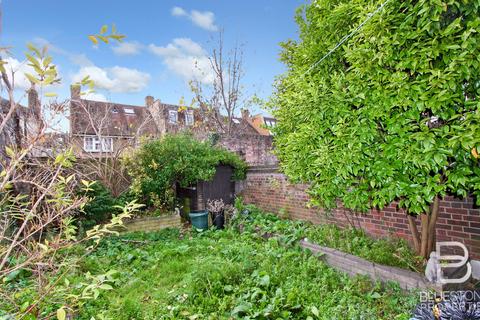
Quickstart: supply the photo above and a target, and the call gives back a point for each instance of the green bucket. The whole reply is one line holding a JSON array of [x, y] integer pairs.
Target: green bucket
[[199, 219]]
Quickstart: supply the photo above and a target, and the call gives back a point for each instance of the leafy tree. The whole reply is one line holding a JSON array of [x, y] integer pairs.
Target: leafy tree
[[159, 165], [391, 115]]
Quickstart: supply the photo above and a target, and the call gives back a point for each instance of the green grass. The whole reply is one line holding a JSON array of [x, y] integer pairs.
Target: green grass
[[387, 251], [391, 252], [221, 275]]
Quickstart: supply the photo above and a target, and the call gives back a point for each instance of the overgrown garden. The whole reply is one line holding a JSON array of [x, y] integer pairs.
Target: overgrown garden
[[235, 273], [388, 114]]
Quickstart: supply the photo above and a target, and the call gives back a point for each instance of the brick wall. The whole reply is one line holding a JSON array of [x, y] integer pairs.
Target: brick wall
[[149, 224], [459, 219], [353, 265], [254, 149]]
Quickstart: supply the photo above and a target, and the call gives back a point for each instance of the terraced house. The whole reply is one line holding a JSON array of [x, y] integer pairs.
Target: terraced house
[[24, 123], [105, 129]]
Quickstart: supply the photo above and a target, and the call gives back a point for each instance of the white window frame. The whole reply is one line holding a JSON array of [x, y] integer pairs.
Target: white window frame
[[88, 144], [129, 111], [107, 144], [189, 118], [172, 116], [97, 144], [270, 123]]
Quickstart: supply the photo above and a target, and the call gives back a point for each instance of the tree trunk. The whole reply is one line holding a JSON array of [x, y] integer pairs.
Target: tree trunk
[[424, 240], [414, 231], [431, 225], [17, 131]]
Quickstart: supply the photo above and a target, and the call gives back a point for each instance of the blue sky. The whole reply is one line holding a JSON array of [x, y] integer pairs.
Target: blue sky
[[163, 39]]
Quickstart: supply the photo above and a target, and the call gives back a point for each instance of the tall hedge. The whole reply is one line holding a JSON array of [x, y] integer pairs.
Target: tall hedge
[[392, 114]]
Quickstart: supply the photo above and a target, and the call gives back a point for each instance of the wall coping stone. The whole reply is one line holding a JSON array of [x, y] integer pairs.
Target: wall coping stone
[[151, 223], [141, 219], [354, 265], [263, 169]]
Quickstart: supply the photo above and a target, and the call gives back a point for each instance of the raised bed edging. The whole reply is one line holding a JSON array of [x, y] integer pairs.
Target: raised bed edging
[[353, 265], [148, 224]]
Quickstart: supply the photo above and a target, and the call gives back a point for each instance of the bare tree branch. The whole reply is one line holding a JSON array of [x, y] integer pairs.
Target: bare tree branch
[[220, 102]]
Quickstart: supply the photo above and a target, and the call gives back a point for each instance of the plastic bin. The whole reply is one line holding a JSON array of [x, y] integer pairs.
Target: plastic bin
[[199, 219]]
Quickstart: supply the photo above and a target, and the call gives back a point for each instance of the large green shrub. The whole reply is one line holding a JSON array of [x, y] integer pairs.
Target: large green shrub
[[157, 166], [392, 114], [99, 208], [101, 205]]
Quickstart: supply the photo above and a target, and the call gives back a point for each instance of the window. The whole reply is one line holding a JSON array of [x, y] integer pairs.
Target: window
[[88, 143], [172, 116], [270, 123], [129, 110], [189, 118], [97, 144], [107, 144]]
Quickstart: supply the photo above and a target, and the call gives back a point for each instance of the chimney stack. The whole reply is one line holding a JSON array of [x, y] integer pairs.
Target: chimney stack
[[33, 102], [149, 101], [245, 114], [34, 109], [75, 90]]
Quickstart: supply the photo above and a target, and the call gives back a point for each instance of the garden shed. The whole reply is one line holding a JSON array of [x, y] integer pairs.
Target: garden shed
[[221, 186]]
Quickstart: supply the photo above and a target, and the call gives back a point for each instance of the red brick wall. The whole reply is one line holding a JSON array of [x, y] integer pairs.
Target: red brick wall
[[459, 219], [254, 149]]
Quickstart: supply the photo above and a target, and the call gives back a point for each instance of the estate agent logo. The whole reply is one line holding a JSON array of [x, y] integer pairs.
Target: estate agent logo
[[438, 262]]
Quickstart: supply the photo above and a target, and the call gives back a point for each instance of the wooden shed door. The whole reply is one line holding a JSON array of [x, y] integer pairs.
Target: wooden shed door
[[220, 187]]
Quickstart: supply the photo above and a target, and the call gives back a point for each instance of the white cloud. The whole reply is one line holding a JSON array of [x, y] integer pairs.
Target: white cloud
[[116, 79], [19, 69], [42, 42], [127, 48], [185, 58], [95, 96], [78, 59], [203, 19], [178, 12], [19, 80]]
